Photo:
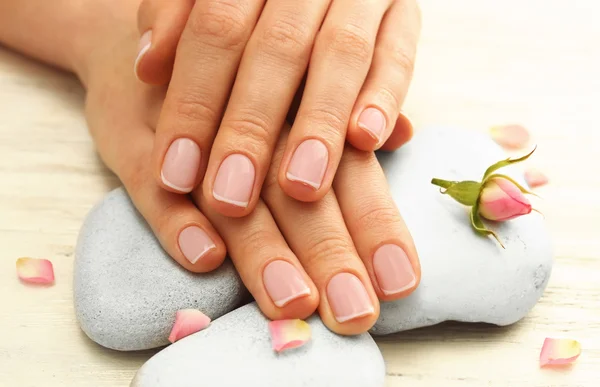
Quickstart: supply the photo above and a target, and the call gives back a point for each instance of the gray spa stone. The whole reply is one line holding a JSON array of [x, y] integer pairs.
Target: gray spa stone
[[465, 277], [235, 350], [127, 289]]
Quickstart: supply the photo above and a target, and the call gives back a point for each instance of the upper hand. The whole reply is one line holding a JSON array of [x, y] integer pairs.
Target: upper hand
[[340, 255], [238, 67]]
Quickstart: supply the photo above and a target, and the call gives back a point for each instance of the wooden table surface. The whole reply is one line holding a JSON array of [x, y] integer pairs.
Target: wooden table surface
[[481, 63]]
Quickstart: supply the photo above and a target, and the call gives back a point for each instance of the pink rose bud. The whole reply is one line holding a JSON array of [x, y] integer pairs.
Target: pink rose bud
[[502, 200]]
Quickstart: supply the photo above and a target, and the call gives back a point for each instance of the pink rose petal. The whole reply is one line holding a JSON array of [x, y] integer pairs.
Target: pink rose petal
[[510, 136], [287, 334], [535, 178], [35, 271], [188, 321], [559, 352]]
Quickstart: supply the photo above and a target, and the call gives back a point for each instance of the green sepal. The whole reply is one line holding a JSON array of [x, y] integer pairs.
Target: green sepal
[[521, 188], [443, 183], [464, 192], [504, 163], [478, 225]]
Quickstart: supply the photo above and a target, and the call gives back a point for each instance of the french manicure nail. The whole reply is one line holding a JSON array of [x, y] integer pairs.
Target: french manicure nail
[[372, 121], [235, 180], [194, 243], [180, 166], [393, 269], [284, 283], [309, 163], [143, 47], [348, 297]]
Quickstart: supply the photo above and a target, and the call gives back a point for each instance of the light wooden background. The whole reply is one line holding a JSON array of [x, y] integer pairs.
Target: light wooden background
[[480, 63]]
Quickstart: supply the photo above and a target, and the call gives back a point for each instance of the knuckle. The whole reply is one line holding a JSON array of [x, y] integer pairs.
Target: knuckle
[[401, 59], [389, 98], [350, 43], [333, 120], [222, 25], [254, 128], [190, 109], [377, 216], [288, 39], [327, 247], [258, 239]]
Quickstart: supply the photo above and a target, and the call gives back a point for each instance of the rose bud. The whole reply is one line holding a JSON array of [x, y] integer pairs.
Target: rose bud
[[501, 200]]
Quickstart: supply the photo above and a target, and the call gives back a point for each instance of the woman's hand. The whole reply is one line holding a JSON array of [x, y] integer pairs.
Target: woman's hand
[[294, 257], [238, 67]]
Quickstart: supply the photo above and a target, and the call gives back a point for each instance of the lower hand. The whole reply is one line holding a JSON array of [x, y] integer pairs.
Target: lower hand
[[341, 254]]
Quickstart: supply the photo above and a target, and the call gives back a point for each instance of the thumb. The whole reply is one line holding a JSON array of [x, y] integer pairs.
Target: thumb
[[160, 23]]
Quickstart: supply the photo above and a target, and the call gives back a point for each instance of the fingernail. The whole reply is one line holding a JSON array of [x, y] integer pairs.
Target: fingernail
[[180, 166], [194, 243], [372, 121], [284, 283], [309, 163], [234, 180], [393, 269], [348, 298], [143, 47]]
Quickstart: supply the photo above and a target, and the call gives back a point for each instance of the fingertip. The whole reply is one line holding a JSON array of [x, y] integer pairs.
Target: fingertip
[[306, 171], [362, 140], [212, 260], [201, 248], [356, 326], [151, 69], [287, 292], [402, 134], [300, 308], [349, 304], [232, 186], [144, 46], [300, 190], [227, 208], [178, 170], [155, 59], [166, 20]]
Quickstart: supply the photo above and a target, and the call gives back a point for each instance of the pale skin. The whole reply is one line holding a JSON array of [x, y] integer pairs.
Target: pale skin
[[356, 58], [339, 255]]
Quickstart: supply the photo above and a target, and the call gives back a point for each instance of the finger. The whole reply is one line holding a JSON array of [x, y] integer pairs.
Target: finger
[[339, 64], [402, 133], [209, 53], [266, 265], [125, 146], [377, 229], [378, 105], [160, 23], [317, 234], [274, 62]]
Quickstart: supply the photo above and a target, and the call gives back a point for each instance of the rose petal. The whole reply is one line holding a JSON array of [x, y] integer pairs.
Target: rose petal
[[559, 351], [35, 271], [188, 321], [535, 178], [510, 136], [287, 334]]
